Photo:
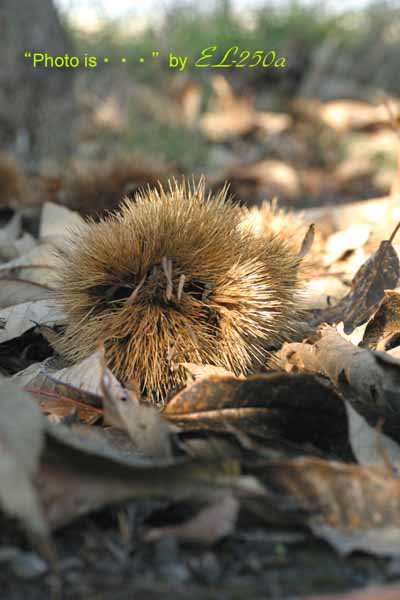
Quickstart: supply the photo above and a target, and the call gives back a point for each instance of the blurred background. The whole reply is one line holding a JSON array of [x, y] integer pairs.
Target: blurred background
[[321, 130]]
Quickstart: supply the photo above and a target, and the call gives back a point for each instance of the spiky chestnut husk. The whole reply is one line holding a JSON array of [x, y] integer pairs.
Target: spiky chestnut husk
[[174, 277], [269, 219]]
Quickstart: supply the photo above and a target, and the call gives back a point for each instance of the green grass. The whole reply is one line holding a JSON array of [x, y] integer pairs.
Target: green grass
[[167, 141], [187, 30], [295, 28]]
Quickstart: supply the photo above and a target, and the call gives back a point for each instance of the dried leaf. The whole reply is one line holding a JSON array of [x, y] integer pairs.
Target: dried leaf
[[379, 273], [18, 291], [70, 389], [55, 222], [384, 323], [371, 446], [353, 507], [78, 476], [21, 443], [307, 242], [231, 117], [373, 376], [294, 408], [35, 374], [143, 423], [20, 318], [63, 409], [37, 266], [85, 375], [77, 387], [273, 176], [12, 230], [355, 337]]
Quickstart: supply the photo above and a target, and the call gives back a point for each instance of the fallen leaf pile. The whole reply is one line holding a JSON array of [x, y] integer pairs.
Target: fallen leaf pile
[[311, 443]]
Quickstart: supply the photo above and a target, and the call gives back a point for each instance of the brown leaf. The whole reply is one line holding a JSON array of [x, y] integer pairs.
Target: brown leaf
[[373, 376], [351, 506], [295, 408], [61, 407], [379, 273], [384, 323], [80, 382], [78, 476], [307, 242]]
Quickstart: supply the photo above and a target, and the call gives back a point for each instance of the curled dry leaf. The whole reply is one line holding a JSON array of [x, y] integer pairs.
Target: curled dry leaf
[[78, 387], [65, 410], [36, 263], [379, 273], [60, 391], [34, 375], [307, 242], [86, 375], [87, 386], [56, 398], [295, 408], [373, 376]]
